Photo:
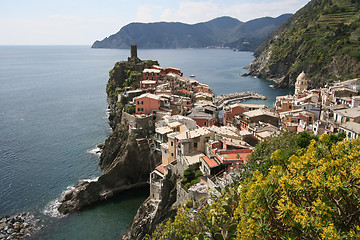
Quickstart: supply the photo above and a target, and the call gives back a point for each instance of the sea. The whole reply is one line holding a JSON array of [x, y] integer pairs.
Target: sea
[[53, 113]]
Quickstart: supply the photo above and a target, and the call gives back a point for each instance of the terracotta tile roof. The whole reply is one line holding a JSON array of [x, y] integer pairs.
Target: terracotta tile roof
[[161, 169], [210, 162]]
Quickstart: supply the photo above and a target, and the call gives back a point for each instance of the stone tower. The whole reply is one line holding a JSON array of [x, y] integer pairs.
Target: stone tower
[[133, 50], [301, 83]]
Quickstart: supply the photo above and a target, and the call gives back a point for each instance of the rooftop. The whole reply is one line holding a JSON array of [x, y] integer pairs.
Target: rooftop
[[163, 130], [248, 105], [148, 95], [147, 70], [265, 134], [193, 157], [174, 124], [148, 82], [235, 142], [210, 162], [350, 112], [200, 115], [224, 130], [260, 112], [352, 126], [160, 169], [193, 134]]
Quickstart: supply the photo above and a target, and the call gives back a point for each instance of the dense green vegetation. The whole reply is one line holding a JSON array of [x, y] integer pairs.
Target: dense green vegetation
[[219, 32], [322, 39], [124, 74], [191, 176], [310, 189]]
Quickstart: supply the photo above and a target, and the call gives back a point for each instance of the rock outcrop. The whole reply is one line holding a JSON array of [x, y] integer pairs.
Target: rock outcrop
[[125, 162], [153, 212]]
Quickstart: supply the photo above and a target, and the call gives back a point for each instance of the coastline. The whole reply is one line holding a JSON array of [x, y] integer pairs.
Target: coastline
[[71, 175]]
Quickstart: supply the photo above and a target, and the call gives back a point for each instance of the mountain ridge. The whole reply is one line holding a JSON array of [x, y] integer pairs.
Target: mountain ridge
[[219, 32]]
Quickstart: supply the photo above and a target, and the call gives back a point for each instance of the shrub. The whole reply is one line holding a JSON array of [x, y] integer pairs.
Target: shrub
[[198, 174]]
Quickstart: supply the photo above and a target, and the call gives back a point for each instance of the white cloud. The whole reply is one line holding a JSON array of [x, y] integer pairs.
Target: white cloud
[[166, 14], [144, 14]]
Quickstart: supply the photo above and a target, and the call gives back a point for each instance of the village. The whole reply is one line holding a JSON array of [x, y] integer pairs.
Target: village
[[203, 139]]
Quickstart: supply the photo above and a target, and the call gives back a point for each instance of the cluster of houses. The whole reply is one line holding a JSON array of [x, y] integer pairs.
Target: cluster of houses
[[332, 109], [183, 118]]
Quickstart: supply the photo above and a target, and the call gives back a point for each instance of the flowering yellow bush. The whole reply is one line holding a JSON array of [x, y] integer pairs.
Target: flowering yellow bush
[[314, 194]]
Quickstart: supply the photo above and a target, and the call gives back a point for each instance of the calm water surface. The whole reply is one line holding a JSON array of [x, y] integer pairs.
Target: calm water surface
[[53, 113]]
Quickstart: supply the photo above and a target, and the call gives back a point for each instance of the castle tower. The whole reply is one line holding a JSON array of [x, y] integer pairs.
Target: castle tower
[[133, 50], [301, 83]]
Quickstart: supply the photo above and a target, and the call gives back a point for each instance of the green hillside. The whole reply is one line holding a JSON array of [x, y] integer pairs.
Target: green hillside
[[321, 39]]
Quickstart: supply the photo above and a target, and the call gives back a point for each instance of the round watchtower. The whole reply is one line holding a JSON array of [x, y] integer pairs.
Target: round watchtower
[[133, 50]]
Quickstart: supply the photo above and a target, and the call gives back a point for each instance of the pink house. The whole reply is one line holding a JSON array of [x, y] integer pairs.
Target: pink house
[[147, 103]]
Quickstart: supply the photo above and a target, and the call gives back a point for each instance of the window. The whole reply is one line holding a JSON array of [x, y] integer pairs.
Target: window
[[140, 102], [140, 109], [195, 144], [172, 143], [172, 154], [205, 123]]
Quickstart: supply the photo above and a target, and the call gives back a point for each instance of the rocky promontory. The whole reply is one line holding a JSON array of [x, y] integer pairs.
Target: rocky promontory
[[126, 159], [125, 163]]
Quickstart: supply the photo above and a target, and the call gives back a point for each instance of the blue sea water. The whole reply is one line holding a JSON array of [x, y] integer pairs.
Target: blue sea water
[[53, 113]]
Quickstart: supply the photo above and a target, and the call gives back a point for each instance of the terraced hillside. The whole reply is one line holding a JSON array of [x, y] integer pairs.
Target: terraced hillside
[[322, 39]]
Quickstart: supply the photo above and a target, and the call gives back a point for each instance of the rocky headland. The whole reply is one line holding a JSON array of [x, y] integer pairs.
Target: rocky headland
[[125, 163]]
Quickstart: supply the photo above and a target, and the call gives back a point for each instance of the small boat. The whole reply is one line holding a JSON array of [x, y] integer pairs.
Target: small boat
[[192, 76]]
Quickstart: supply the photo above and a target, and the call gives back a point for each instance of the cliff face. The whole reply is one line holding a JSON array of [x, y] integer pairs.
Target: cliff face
[[126, 161], [126, 164], [151, 212], [321, 39]]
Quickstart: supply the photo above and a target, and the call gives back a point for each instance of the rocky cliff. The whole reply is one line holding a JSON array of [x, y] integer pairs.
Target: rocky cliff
[[321, 39], [152, 212], [126, 160]]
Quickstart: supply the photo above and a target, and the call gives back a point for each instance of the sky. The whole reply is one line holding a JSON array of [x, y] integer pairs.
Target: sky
[[81, 22]]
